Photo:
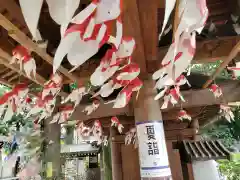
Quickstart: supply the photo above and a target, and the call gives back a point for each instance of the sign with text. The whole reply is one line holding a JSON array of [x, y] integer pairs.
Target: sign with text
[[152, 149]]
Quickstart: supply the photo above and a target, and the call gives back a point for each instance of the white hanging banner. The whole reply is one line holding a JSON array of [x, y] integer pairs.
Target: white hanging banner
[[152, 149]]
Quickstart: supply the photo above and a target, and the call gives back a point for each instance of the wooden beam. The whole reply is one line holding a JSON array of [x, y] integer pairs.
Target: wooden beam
[[194, 100], [22, 39], [8, 74], [204, 97], [132, 27], [104, 110], [5, 58], [3, 70], [176, 18], [6, 83], [148, 11], [230, 57], [14, 14], [13, 78]]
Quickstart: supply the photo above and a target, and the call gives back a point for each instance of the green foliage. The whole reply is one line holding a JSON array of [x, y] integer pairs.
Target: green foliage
[[230, 169], [228, 133], [3, 89], [209, 69], [222, 133]]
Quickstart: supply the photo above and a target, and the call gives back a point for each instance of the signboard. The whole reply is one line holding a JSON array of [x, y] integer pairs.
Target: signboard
[[152, 149]]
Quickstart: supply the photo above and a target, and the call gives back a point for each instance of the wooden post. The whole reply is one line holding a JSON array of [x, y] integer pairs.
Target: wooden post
[[116, 156], [52, 151], [154, 164], [107, 162]]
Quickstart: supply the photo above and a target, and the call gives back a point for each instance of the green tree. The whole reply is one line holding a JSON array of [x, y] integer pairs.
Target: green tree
[[229, 134], [230, 169]]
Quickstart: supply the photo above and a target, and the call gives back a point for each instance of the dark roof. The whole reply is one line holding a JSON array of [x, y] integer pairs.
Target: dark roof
[[203, 150]]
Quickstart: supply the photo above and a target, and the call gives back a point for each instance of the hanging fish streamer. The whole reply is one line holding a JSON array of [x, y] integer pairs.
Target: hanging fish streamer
[[226, 112], [90, 30], [118, 71], [91, 108], [23, 57], [53, 86], [61, 11], [65, 112], [131, 137], [216, 90], [193, 16], [116, 123], [183, 115]]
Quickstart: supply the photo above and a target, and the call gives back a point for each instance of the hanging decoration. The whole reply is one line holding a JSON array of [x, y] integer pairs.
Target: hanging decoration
[[131, 137], [43, 108], [125, 94], [183, 115], [23, 57], [112, 62], [117, 66], [83, 131], [31, 12], [105, 140], [216, 90], [226, 112], [192, 15], [91, 108], [116, 123], [76, 96], [90, 30], [97, 131], [12, 102], [235, 70], [53, 86], [61, 12], [172, 96], [65, 112], [81, 37]]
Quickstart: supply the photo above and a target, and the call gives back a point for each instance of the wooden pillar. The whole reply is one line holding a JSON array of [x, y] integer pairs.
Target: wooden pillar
[[107, 162], [116, 156], [154, 164]]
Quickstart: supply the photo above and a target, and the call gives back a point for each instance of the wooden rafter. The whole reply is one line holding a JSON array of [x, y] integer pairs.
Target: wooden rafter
[[176, 17], [10, 73], [6, 83], [3, 70], [230, 57], [13, 78], [14, 14], [149, 27]]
